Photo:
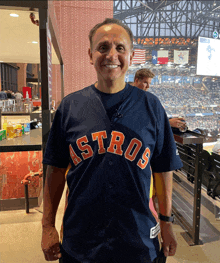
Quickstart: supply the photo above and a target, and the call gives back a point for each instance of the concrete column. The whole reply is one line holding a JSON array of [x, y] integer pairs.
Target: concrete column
[[22, 74]]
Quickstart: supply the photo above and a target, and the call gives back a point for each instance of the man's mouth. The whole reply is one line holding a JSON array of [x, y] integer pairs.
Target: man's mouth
[[111, 66]]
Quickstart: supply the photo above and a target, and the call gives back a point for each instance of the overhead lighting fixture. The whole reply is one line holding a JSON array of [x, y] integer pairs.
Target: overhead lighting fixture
[[14, 15], [34, 42]]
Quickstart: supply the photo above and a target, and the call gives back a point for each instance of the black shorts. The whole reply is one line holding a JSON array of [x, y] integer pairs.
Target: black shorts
[[66, 258], [160, 258]]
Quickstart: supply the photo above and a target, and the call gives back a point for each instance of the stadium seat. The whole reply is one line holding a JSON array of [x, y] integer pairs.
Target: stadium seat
[[213, 176]]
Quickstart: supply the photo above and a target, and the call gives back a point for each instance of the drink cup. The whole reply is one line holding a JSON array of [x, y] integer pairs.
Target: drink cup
[[183, 127]]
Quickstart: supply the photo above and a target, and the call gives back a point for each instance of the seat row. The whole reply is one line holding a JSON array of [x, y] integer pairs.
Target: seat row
[[209, 168]]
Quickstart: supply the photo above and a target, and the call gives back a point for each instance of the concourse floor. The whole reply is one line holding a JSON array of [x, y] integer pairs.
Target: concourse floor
[[20, 239]]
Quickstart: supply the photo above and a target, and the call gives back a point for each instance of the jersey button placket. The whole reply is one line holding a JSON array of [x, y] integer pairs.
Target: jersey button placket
[[110, 186], [110, 163], [116, 116]]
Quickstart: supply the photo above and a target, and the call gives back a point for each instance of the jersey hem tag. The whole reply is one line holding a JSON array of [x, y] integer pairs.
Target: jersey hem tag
[[154, 231]]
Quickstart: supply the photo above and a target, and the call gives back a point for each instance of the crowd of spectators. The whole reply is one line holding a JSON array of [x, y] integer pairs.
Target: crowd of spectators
[[172, 96], [209, 123], [187, 100]]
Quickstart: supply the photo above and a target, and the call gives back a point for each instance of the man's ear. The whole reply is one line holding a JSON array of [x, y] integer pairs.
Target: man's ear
[[131, 57], [90, 56]]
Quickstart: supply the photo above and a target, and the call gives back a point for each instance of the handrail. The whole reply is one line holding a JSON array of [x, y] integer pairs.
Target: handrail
[[27, 181], [185, 140]]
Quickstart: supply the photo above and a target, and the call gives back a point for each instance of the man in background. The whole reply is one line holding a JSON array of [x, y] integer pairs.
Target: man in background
[[18, 95], [142, 80]]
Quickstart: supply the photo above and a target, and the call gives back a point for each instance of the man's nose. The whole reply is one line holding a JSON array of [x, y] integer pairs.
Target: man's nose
[[112, 54]]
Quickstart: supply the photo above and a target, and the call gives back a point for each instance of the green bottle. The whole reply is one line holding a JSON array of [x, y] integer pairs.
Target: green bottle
[[22, 126]]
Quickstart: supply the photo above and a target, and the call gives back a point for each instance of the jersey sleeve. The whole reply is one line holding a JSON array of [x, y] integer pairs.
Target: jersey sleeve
[[165, 155], [57, 153]]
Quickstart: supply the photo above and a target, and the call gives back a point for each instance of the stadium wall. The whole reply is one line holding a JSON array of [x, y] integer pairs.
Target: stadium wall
[[74, 21]]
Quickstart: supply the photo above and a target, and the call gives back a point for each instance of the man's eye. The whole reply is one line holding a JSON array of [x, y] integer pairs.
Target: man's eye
[[102, 48], [120, 48]]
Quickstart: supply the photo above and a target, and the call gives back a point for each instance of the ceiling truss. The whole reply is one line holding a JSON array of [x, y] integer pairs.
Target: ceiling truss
[[169, 19]]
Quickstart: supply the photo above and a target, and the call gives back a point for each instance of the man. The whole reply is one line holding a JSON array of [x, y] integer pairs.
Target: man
[[18, 95], [112, 134], [142, 80]]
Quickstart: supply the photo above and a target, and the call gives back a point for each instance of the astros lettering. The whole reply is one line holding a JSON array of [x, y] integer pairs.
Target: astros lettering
[[115, 147]]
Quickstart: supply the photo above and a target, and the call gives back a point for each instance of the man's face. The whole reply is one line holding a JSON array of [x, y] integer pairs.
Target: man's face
[[111, 52], [143, 84]]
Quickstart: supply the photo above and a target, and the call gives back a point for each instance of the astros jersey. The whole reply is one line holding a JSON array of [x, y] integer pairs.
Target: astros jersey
[[108, 213]]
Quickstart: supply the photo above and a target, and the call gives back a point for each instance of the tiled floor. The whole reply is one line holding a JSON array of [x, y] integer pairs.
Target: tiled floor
[[20, 238]]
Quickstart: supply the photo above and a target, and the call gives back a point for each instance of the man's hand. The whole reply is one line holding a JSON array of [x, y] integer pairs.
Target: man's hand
[[53, 189], [169, 240], [177, 122], [50, 243]]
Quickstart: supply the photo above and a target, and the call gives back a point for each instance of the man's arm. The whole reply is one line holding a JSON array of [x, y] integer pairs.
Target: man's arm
[[163, 183], [53, 189]]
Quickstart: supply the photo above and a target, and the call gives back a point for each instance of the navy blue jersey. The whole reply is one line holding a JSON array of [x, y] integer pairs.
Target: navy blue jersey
[[108, 212]]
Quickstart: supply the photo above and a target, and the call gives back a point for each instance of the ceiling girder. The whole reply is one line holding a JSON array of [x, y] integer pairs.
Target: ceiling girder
[[186, 18]]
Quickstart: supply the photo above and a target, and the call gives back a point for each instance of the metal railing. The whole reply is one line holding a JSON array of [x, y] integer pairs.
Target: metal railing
[[190, 146], [27, 181]]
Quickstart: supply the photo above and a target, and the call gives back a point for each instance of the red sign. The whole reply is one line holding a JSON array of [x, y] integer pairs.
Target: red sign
[[27, 93]]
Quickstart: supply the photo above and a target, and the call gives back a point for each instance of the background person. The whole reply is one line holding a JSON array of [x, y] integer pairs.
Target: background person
[[111, 152], [142, 80], [18, 95]]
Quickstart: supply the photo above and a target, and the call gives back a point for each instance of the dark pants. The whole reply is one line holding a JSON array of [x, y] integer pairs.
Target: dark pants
[[160, 258], [66, 258]]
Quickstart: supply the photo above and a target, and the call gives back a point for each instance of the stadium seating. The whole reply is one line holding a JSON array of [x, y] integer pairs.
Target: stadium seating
[[211, 176], [210, 168]]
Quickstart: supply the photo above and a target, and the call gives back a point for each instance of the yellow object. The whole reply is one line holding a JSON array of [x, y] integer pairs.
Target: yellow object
[[5, 124], [19, 130], [10, 131], [15, 129]]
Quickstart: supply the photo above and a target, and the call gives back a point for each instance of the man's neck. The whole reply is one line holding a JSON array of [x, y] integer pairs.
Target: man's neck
[[110, 87], [134, 84]]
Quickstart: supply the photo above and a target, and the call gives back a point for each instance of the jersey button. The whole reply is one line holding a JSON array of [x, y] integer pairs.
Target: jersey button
[[119, 115]]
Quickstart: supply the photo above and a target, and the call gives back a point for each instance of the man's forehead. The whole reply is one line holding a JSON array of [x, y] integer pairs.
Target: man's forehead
[[147, 79], [111, 30]]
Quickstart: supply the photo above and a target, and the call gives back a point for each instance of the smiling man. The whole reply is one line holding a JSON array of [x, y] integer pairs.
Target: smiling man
[[114, 137], [111, 53]]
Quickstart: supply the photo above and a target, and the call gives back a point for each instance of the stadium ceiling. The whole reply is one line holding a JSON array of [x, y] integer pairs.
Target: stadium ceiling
[[180, 19]]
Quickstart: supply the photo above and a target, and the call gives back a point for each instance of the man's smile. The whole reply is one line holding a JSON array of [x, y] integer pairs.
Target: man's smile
[[111, 66]]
